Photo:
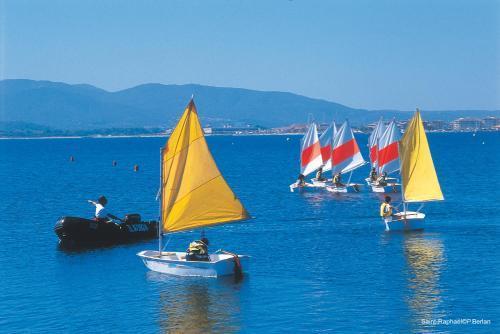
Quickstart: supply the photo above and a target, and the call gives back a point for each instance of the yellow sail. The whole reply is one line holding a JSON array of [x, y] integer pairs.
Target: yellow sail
[[418, 176], [194, 193]]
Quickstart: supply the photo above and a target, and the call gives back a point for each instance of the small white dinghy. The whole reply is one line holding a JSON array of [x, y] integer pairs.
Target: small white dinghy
[[305, 187], [406, 221], [321, 184], [391, 187], [174, 263], [419, 181], [347, 188], [193, 194]]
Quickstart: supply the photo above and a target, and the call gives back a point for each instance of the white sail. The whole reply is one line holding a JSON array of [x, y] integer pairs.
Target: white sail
[[310, 151], [346, 155], [326, 142], [373, 142], [388, 152]]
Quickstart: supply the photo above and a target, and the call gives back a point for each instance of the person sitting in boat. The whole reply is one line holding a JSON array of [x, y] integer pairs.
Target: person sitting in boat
[[382, 180], [319, 175], [386, 211], [101, 213], [198, 250], [337, 180], [373, 175], [301, 180]]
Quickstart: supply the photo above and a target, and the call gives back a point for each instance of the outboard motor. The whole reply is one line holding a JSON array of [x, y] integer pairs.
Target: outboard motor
[[132, 218]]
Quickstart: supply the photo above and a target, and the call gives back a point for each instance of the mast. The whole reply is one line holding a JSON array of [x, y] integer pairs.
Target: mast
[[160, 225]]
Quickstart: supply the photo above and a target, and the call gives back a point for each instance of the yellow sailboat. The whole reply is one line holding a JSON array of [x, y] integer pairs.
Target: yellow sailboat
[[419, 182], [193, 195]]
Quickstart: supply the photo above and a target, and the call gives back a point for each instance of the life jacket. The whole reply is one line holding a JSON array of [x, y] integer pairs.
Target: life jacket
[[336, 179], [198, 247], [385, 210]]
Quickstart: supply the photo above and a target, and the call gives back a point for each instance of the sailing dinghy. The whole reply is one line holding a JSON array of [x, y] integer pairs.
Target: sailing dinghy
[[419, 181], [310, 158], [346, 157], [326, 142], [193, 194], [388, 159]]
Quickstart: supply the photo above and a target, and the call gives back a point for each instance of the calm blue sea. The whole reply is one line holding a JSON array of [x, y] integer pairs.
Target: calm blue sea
[[321, 262]]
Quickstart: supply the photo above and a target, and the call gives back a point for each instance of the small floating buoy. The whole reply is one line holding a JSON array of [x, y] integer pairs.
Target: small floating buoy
[[114, 163], [287, 138], [483, 142], [136, 168], [71, 158]]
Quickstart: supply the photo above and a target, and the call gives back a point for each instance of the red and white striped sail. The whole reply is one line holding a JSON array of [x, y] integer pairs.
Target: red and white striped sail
[[346, 156], [326, 142], [388, 153], [373, 142], [310, 151]]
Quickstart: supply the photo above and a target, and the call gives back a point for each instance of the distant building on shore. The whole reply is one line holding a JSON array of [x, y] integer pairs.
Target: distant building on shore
[[436, 125], [466, 124], [490, 122]]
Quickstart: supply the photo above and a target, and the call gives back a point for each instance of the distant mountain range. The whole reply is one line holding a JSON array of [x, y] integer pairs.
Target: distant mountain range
[[63, 106]]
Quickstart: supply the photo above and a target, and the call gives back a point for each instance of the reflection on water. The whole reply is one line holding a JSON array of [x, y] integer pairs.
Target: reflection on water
[[198, 305], [425, 261]]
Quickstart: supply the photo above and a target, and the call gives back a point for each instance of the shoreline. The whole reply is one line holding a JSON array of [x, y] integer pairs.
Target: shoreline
[[207, 135]]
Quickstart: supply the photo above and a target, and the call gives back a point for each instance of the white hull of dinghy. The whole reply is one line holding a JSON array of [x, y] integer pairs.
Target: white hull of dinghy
[[406, 221], [174, 263], [348, 188], [389, 188], [371, 183], [321, 184], [306, 187]]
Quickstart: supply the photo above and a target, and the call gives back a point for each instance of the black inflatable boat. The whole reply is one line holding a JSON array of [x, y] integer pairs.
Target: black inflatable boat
[[73, 231]]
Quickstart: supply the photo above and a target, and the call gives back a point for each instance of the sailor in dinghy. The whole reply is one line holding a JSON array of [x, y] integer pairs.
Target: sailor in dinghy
[[419, 182], [193, 194], [346, 158]]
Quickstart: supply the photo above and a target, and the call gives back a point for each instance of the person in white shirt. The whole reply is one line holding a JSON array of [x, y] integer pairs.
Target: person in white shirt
[[101, 214]]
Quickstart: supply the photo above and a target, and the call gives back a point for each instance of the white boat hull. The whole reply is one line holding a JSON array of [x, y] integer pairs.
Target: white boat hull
[[306, 187], [174, 263], [320, 184], [391, 187], [348, 188], [406, 221]]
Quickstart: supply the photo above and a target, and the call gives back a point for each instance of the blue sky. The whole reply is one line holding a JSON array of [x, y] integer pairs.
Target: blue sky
[[375, 54]]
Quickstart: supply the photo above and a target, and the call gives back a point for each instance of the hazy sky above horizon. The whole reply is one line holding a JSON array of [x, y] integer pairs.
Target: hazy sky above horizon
[[368, 54]]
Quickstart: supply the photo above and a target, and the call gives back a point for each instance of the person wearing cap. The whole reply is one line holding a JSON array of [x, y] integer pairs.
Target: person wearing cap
[[198, 250], [386, 211]]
